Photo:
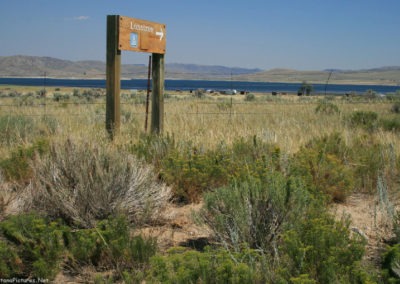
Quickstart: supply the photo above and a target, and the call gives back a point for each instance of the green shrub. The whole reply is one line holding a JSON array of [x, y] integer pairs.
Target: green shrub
[[10, 263], [16, 168], [153, 148], [322, 249], [367, 120], [211, 266], [256, 156], [322, 164], [390, 124], [253, 212], [326, 107], [32, 246], [109, 245], [193, 172], [250, 97], [35, 246], [396, 107], [14, 94], [200, 93], [41, 93], [391, 264], [305, 89], [60, 97], [87, 182]]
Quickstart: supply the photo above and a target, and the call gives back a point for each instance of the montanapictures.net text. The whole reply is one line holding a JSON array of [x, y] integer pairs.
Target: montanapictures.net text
[[22, 280]]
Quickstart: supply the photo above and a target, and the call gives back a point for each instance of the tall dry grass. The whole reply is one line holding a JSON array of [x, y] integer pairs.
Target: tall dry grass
[[289, 121]]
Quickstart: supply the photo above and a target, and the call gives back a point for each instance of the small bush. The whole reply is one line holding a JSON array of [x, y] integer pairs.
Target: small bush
[[364, 119], [14, 94], [109, 245], [35, 247], [41, 93], [326, 107], [16, 168], [153, 149], [211, 266], [322, 249], [86, 182], [191, 171], [60, 97], [396, 107], [10, 263], [76, 93], [249, 97], [253, 212], [391, 264], [323, 165], [390, 124], [200, 93]]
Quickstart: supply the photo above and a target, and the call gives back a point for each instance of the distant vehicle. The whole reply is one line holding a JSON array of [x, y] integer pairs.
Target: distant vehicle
[[228, 92]]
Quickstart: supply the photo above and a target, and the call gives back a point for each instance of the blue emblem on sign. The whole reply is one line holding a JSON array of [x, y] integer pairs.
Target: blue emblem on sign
[[134, 39]]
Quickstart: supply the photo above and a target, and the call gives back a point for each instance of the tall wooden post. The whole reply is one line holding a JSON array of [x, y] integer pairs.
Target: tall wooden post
[[157, 110], [113, 69]]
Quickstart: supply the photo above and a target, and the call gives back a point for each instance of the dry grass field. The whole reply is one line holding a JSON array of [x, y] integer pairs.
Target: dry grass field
[[367, 147], [288, 120]]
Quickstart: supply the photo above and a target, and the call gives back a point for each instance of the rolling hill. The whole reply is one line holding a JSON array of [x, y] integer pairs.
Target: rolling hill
[[378, 76], [34, 66]]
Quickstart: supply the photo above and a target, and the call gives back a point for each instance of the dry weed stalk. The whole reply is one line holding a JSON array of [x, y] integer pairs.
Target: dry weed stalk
[[10, 198]]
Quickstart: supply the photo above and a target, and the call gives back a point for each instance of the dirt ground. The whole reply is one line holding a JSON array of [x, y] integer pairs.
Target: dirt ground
[[179, 228], [371, 218]]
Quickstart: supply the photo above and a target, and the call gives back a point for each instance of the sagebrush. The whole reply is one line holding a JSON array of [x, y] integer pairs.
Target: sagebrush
[[85, 182]]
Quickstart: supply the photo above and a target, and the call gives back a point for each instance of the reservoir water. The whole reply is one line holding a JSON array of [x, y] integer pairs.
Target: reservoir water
[[183, 85]]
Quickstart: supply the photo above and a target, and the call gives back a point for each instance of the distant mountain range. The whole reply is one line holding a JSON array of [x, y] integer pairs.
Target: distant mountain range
[[33, 66]]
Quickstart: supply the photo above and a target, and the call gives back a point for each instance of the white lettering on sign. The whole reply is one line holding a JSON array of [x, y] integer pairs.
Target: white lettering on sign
[[142, 28]]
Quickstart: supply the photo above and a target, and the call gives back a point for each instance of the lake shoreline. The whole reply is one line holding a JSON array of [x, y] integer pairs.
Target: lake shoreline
[[206, 85], [332, 81]]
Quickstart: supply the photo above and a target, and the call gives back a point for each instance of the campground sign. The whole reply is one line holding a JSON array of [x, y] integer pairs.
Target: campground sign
[[124, 33], [140, 35]]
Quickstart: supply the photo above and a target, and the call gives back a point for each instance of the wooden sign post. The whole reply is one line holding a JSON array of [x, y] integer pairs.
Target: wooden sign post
[[131, 34]]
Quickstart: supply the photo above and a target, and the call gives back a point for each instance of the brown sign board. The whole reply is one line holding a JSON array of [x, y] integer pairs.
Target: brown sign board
[[140, 35]]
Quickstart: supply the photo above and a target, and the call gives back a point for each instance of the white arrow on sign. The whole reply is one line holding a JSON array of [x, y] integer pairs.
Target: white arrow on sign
[[160, 34]]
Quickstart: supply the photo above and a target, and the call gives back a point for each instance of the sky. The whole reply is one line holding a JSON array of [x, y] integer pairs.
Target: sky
[[295, 34]]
